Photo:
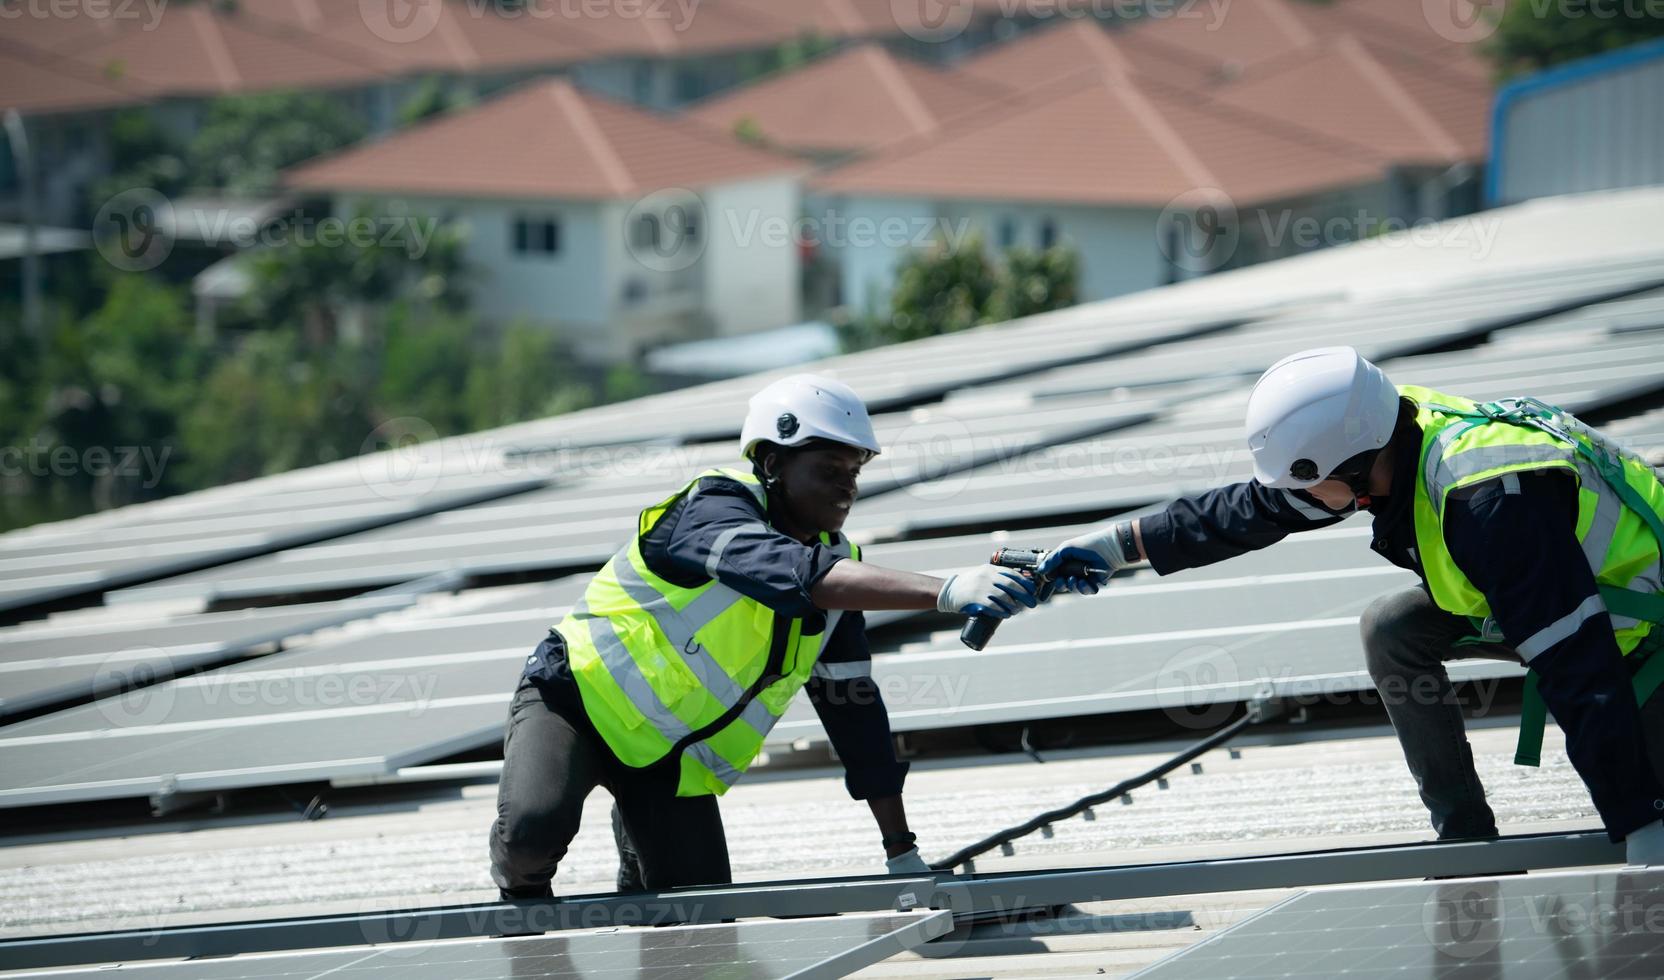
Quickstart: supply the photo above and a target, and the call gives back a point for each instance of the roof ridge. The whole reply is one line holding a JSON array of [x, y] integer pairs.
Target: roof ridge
[[1289, 22], [571, 104], [1265, 125], [1408, 107], [1097, 38], [1165, 135], [208, 29], [899, 88]]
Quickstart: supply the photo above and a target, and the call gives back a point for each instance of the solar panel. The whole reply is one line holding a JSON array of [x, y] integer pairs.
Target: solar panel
[[587, 516], [105, 551], [1380, 328], [43, 664], [1527, 927], [1202, 447], [799, 949], [406, 689]]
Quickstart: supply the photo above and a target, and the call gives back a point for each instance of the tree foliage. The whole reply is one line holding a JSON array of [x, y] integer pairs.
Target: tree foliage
[[1533, 35], [953, 287]]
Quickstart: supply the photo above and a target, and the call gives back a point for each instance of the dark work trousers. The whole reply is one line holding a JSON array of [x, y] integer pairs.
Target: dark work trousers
[[1407, 640], [552, 759]]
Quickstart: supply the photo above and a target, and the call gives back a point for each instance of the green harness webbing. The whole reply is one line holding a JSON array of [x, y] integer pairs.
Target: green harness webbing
[[1646, 606]]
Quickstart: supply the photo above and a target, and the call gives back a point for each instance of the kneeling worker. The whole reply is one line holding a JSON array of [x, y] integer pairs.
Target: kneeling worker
[[1536, 539], [664, 679]]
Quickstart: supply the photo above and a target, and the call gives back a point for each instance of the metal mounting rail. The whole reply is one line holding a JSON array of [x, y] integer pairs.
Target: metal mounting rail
[[963, 894]]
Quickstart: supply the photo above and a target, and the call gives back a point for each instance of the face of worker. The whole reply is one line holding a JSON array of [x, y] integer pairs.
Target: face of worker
[[820, 485], [1334, 494]]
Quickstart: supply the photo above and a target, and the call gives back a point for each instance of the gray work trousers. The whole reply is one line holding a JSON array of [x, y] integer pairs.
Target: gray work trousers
[[552, 760], [1407, 640]]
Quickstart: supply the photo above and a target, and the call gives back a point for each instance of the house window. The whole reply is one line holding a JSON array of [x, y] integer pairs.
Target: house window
[[536, 236], [1008, 233], [1048, 233], [647, 232]]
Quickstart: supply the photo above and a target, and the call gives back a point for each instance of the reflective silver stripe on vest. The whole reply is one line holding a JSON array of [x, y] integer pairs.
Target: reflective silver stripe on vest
[[1608, 508], [714, 560], [1561, 628], [680, 628], [629, 679], [1449, 472]]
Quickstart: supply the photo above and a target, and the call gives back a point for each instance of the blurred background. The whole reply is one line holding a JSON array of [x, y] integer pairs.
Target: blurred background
[[341, 341], [237, 236]]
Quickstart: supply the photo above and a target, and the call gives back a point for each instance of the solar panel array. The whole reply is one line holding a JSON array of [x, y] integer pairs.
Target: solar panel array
[[1061, 419], [791, 949], [1528, 927]]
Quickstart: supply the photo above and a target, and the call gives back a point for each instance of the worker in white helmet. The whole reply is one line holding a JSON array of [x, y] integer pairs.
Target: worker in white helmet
[[737, 591], [1536, 538]]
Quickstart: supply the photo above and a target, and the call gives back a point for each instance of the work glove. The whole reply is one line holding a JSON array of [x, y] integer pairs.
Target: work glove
[[907, 863], [1099, 549], [987, 590]]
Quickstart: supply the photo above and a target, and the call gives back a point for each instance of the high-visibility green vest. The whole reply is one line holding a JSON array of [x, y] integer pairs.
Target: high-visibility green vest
[[1620, 519], [665, 669]]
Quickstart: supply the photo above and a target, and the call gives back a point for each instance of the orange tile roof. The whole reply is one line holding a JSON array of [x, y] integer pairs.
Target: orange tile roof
[[196, 51], [547, 139], [34, 82], [1104, 138], [1053, 51], [461, 38], [1371, 95], [861, 97]]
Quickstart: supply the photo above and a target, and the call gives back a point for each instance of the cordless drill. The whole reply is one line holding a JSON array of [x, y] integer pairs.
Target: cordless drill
[[978, 630]]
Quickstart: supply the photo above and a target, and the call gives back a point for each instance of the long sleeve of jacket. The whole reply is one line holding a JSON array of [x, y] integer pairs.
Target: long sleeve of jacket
[[1229, 521], [852, 711]]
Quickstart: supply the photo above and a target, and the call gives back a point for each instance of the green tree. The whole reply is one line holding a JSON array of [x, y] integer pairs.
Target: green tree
[[940, 290], [1533, 35], [311, 286], [1034, 282], [529, 374], [247, 140], [954, 287], [434, 97], [272, 406]]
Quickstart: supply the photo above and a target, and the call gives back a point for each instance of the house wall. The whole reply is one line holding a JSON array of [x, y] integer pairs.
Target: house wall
[[752, 263]]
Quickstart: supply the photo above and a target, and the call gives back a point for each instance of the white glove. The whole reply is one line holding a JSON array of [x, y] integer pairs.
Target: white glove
[[907, 863], [987, 590], [1100, 549]]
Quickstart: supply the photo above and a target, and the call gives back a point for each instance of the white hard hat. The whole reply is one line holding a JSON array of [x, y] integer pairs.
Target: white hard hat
[[794, 410], [1314, 410]]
